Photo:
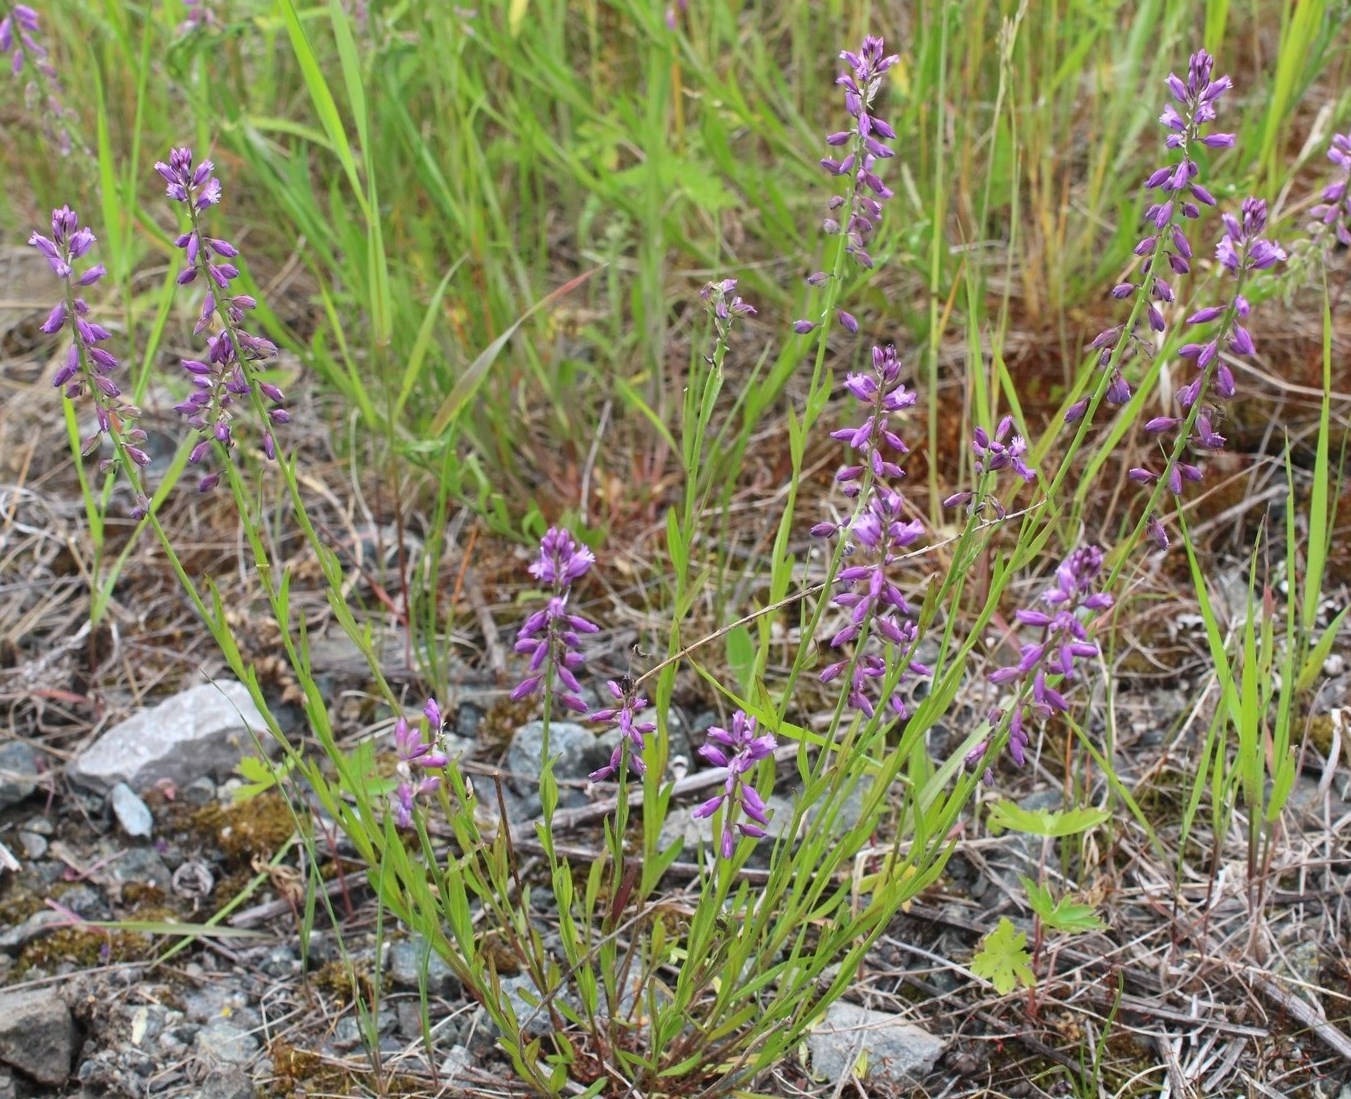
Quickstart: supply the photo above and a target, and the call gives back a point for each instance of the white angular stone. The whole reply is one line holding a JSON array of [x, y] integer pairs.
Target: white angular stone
[[197, 732], [131, 812], [893, 1049]]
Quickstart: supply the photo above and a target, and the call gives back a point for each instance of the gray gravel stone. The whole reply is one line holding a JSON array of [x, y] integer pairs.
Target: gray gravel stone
[[18, 772], [406, 961], [40, 826], [37, 1035], [458, 1058], [201, 731], [14, 939], [139, 866], [34, 846], [228, 1083], [896, 1051], [346, 1034], [577, 752], [131, 812], [223, 1043]]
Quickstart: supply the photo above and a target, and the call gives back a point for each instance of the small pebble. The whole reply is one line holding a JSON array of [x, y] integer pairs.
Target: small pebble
[[131, 811], [34, 846]]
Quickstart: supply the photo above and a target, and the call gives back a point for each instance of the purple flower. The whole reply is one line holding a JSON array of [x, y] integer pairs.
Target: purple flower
[[561, 560], [866, 145], [416, 747], [1241, 251], [1334, 211], [725, 305], [199, 16], [88, 367], [17, 36], [19, 29], [883, 394], [232, 365], [738, 750], [633, 733], [878, 534], [1179, 197], [550, 636], [1002, 451], [1066, 610]]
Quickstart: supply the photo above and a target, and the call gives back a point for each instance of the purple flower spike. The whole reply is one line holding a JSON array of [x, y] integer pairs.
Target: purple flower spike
[[234, 358], [417, 749], [725, 305], [1242, 251], [738, 750], [878, 535], [1333, 213], [866, 145], [19, 39], [883, 394], [1062, 622], [633, 733], [996, 453], [1179, 198], [88, 367], [551, 636]]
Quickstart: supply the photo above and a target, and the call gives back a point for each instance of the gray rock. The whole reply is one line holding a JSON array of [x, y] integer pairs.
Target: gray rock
[[14, 939], [577, 752], [680, 824], [139, 866], [532, 1017], [223, 1043], [458, 1058], [200, 791], [7, 1088], [37, 1035], [409, 1016], [202, 731], [131, 812], [228, 1083], [896, 1051], [468, 718], [220, 1001], [406, 962], [40, 826], [346, 1034], [18, 772], [34, 846], [281, 961]]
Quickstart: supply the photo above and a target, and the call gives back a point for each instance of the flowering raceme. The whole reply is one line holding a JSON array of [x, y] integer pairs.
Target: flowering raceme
[[1179, 196], [417, 753], [725, 305], [866, 144], [19, 29], [550, 635], [879, 533], [1334, 211], [738, 749], [633, 733], [231, 367], [87, 366], [1241, 251], [994, 454], [1064, 640]]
